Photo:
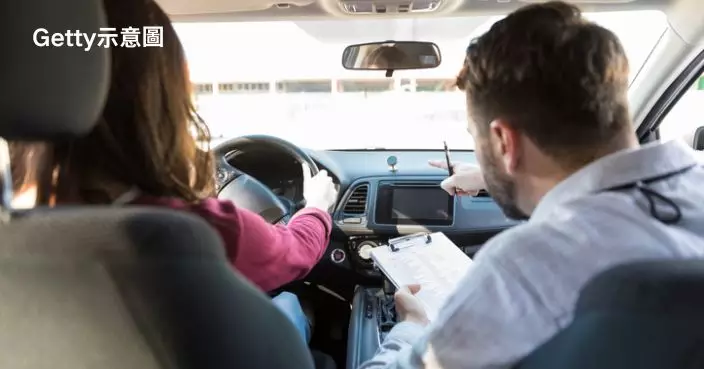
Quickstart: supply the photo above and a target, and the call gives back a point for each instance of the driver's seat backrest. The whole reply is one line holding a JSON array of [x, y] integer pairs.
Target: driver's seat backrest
[[105, 287], [132, 288], [646, 315]]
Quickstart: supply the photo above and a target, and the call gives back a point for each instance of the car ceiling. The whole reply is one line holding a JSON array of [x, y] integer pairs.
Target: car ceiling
[[239, 10], [684, 15]]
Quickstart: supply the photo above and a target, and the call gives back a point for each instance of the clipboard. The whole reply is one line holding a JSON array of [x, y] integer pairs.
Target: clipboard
[[400, 243], [431, 260]]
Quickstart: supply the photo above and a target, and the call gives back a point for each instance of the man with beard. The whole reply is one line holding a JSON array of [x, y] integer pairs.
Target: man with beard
[[547, 105]]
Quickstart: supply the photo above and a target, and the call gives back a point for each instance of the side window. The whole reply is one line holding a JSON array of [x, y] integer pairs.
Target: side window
[[686, 116]]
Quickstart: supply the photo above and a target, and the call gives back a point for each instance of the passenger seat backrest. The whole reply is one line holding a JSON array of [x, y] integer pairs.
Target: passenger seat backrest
[[646, 315]]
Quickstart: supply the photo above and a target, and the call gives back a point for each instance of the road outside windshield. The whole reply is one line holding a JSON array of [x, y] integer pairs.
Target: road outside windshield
[[285, 79]]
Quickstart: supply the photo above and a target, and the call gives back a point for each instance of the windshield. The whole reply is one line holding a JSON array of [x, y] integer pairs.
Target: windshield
[[285, 78]]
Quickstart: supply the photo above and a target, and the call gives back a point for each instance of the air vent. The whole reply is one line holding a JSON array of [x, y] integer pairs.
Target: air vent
[[357, 202]]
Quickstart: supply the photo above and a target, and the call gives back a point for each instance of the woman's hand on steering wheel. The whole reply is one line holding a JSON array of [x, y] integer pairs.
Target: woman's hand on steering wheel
[[318, 190]]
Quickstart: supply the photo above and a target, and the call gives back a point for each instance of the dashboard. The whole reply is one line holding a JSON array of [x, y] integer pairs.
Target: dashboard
[[378, 202], [278, 172]]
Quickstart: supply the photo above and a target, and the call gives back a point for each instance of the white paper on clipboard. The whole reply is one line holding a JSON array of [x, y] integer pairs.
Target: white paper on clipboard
[[431, 260]]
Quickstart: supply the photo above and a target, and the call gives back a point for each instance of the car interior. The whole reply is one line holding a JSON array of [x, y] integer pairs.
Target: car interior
[[84, 287], [102, 287]]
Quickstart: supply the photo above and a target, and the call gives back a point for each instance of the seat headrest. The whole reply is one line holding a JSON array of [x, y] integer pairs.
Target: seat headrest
[[698, 140], [51, 92]]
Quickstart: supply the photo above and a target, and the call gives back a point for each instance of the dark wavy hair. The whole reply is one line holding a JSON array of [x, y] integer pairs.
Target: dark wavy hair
[[146, 135]]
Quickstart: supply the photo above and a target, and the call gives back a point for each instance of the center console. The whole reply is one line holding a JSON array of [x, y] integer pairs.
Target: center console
[[398, 206], [377, 209], [373, 316]]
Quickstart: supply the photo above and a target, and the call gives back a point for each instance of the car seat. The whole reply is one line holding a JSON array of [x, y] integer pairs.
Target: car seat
[[645, 315], [105, 287]]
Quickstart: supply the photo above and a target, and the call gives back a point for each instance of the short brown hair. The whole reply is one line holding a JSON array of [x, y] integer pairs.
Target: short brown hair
[[146, 134], [552, 75]]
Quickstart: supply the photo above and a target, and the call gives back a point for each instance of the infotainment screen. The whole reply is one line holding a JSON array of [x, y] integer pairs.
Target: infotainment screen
[[413, 204]]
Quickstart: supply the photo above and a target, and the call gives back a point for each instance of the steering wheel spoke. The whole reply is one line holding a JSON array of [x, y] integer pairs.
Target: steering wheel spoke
[[248, 192], [225, 173]]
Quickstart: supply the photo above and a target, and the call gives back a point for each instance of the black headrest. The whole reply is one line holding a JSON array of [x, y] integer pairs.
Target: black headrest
[[50, 92], [674, 287]]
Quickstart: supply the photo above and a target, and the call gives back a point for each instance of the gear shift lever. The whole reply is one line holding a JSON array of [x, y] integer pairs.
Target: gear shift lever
[[389, 288], [387, 309]]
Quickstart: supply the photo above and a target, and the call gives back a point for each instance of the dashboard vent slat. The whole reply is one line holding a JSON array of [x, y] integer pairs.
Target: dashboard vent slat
[[482, 193], [357, 202]]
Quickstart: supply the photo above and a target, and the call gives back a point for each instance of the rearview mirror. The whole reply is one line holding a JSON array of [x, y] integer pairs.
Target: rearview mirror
[[391, 55]]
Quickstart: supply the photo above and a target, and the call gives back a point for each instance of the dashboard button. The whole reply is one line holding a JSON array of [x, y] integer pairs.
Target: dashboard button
[[364, 250], [369, 311], [337, 256]]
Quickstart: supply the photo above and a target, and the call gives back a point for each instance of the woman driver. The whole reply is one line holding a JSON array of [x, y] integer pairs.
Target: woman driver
[[143, 151]]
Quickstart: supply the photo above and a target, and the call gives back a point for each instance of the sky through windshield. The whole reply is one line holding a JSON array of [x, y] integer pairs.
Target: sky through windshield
[[285, 79]]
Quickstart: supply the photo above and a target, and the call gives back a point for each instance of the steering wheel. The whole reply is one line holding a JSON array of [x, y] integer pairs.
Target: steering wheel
[[246, 191]]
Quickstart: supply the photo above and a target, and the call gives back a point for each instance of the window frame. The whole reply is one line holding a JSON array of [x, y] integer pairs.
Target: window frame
[[649, 131]]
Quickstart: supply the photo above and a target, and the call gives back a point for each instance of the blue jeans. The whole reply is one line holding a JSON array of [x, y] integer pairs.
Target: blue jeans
[[289, 305]]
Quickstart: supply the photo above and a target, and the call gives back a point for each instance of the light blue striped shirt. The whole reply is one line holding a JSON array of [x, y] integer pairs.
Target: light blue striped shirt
[[525, 282]]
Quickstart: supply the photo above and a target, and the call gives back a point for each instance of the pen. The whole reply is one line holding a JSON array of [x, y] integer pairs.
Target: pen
[[447, 158]]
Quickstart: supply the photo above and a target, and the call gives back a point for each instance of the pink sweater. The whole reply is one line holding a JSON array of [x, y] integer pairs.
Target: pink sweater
[[270, 256]]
